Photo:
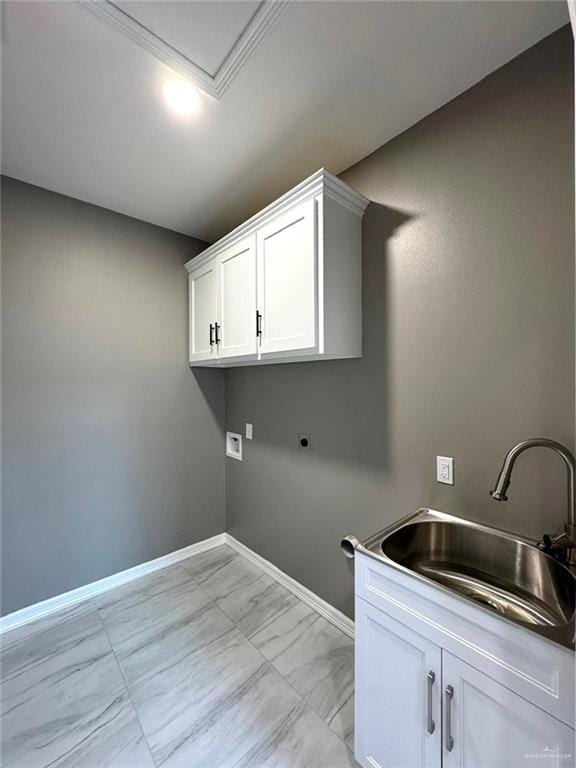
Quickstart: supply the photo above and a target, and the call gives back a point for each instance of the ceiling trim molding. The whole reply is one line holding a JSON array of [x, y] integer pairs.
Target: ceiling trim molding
[[253, 34]]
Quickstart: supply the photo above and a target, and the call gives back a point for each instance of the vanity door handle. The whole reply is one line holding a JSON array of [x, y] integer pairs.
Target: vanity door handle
[[430, 725], [211, 335], [216, 328], [449, 695]]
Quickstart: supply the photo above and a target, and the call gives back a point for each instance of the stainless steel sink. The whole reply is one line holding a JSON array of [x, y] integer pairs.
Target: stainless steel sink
[[499, 571]]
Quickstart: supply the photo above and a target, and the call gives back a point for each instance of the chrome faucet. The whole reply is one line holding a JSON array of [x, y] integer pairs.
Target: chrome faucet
[[563, 543]]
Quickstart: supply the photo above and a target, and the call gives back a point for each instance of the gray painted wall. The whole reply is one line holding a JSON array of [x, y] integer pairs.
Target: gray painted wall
[[468, 332], [112, 447]]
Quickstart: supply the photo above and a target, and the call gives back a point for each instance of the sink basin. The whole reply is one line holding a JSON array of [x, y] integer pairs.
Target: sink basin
[[509, 577], [505, 574]]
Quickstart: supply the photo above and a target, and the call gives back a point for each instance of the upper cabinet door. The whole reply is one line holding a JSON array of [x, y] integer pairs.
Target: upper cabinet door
[[287, 281], [488, 726], [203, 313], [398, 683], [237, 299]]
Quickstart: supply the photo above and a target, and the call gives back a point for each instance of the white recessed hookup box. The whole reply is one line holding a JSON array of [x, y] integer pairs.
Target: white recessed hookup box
[[234, 445]]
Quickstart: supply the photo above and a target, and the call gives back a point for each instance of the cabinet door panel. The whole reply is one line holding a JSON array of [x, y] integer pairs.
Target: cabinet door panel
[[393, 697], [287, 281], [237, 299], [495, 728], [202, 295]]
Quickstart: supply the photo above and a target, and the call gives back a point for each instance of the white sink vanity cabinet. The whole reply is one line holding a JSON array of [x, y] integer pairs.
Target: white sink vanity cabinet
[[442, 682], [284, 286]]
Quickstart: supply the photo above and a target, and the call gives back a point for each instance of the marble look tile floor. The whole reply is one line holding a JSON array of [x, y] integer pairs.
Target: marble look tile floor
[[206, 664]]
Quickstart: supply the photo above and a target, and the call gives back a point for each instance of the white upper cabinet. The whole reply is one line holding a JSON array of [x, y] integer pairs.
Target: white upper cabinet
[[237, 299], [203, 310], [286, 284], [287, 295]]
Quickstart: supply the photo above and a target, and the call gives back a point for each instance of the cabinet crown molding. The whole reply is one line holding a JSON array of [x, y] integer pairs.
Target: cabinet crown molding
[[321, 182]]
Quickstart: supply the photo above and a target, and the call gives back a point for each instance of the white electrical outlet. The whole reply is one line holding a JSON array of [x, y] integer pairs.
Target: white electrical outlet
[[445, 470], [249, 431]]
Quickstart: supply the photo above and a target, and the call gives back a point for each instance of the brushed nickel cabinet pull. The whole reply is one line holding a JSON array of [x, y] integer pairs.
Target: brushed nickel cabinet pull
[[430, 725], [449, 695]]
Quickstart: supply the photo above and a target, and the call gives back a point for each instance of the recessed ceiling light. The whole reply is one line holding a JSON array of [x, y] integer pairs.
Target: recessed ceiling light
[[181, 96]]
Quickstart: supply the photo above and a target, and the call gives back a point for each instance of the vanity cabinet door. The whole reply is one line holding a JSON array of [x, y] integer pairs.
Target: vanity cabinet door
[[398, 684], [287, 281], [203, 312], [237, 299], [488, 726]]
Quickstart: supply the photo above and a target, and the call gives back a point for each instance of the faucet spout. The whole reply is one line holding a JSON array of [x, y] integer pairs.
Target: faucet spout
[[503, 481]]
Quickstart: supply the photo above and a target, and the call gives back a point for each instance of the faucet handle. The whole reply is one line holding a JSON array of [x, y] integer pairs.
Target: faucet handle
[[556, 545]]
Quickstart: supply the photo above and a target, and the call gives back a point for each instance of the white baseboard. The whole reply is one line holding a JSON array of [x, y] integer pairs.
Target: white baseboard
[[39, 610], [46, 607], [333, 615]]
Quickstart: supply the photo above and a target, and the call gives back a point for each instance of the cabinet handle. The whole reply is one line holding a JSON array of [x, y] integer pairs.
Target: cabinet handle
[[211, 334], [258, 325], [449, 695], [216, 328], [431, 725]]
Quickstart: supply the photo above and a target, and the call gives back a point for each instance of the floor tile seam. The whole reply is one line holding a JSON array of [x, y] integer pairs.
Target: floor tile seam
[[263, 575], [217, 601], [340, 708], [91, 599], [237, 555], [266, 661], [190, 652], [210, 602], [210, 598], [239, 762], [331, 715], [271, 663], [127, 687], [300, 696], [262, 667], [214, 602]]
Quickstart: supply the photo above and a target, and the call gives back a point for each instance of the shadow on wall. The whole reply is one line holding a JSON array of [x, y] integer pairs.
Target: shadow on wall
[[211, 383], [343, 404]]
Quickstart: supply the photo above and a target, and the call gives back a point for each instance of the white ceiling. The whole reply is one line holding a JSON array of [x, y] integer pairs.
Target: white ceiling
[[203, 31], [329, 83]]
